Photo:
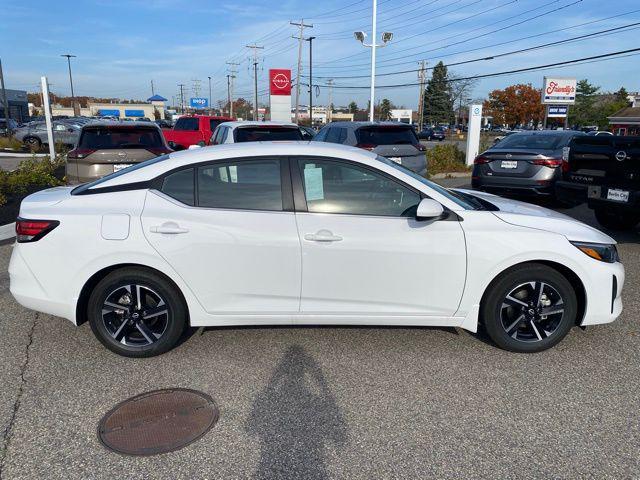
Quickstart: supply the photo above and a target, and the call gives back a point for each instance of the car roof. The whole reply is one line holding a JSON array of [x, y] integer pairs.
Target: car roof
[[251, 123]]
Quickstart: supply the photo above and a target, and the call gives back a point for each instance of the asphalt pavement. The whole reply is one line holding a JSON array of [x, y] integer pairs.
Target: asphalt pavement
[[324, 402]]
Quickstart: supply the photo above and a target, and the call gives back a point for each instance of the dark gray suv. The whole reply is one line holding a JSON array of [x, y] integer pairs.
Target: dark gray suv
[[523, 163], [394, 140]]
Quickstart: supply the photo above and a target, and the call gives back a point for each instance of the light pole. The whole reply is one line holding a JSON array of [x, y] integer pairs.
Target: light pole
[[73, 98], [386, 37], [210, 104]]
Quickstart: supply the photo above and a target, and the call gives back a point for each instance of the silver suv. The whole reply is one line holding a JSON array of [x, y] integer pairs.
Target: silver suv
[[394, 140]]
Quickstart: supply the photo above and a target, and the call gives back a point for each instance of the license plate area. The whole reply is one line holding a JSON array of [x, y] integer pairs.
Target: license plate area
[[510, 164], [121, 166], [618, 195]]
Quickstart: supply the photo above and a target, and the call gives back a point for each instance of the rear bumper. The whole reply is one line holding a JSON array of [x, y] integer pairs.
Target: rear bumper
[[569, 192]]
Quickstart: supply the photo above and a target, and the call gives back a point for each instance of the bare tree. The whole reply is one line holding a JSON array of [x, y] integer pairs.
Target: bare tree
[[461, 90]]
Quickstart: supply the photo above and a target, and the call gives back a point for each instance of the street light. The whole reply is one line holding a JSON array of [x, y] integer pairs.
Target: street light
[[210, 104], [73, 98], [386, 37]]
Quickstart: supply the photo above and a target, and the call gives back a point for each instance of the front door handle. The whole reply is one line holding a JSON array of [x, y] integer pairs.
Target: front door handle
[[169, 227], [322, 236]]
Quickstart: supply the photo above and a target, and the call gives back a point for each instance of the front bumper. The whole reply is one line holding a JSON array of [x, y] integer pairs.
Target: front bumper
[[604, 294]]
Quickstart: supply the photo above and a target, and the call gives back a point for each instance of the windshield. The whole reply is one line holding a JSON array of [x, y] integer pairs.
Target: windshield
[[191, 124], [535, 141], [101, 138], [387, 135], [458, 198], [137, 166], [264, 134]]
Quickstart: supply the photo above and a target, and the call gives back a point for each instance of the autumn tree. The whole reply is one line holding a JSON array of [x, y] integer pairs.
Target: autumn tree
[[438, 100], [515, 105]]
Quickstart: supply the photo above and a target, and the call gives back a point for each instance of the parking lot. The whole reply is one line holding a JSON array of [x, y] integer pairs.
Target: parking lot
[[332, 402]]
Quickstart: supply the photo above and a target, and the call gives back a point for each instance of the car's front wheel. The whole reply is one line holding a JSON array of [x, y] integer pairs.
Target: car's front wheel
[[137, 313], [529, 309]]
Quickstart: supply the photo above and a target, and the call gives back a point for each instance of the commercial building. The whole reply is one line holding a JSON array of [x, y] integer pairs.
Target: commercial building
[[18, 105], [119, 110], [627, 120]]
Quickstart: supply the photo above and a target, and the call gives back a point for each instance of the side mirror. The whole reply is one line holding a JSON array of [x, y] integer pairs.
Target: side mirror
[[429, 209]]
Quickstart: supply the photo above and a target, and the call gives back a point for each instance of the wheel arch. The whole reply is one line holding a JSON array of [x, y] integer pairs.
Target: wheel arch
[[570, 275], [83, 299]]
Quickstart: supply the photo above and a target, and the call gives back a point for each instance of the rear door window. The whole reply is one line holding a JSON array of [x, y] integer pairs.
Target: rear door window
[[266, 133], [104, 138], [187, 123], [386, 135]]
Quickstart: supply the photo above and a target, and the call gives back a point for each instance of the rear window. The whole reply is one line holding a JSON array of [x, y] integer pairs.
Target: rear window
[[102, 138], [386, 135], [187, 123], [266, 134], [537, 142], [214, 123]]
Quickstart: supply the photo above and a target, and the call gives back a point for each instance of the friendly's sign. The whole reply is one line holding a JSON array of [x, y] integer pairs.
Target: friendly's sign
[[559, 90], [279, 81]]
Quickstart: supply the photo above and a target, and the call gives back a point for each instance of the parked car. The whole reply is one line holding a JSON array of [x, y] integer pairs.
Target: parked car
[[192, 130], [308, 133], [394, 140], [429, 134], [107, 147], [300, 233], [523, 163], [7, 126], [239, 132], [34, 134], [603, 171]]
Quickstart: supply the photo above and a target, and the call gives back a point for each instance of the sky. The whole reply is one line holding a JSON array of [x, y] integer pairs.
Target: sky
[[122, 45]]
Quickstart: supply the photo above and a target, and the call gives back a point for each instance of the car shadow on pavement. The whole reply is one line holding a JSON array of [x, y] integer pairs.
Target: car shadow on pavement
[[294, 417]]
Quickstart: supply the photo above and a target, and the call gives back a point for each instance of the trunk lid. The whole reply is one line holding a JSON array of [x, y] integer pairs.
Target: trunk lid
[[517, 163]]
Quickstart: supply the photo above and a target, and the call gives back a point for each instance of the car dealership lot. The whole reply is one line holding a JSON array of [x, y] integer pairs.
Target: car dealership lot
[[332, 402]]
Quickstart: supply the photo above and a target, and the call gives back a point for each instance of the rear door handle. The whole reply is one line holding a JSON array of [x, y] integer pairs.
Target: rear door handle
[[169, 227], [322, 236]]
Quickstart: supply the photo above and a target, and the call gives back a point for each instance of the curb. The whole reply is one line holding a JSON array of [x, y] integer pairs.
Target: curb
[[7, 231], [438, 176]]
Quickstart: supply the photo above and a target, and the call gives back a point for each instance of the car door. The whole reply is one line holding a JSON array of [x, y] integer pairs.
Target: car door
[[363, 251], [229, 230]]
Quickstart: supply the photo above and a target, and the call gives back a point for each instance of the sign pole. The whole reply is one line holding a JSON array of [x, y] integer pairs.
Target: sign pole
[[47, 117], [473, 135]]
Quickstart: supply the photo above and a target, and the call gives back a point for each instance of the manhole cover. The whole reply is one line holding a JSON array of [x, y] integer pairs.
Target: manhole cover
[[158, 422]]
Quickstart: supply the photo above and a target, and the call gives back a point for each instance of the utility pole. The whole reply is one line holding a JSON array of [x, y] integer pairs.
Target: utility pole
[[5, 104], [422, 75], [229, 93], [210, 100], [181, 85], [73, 98], [300, 38], [255, 78], [233, 72], [330, 110], [310, 40], [153, 92]]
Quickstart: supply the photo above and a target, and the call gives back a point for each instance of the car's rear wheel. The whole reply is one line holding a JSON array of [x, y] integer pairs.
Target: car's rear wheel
[[33, 143], [137, 313], [616, 220], [529, 309]]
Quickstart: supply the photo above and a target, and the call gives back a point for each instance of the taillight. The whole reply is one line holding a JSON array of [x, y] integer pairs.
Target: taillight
[[366, 146], [33, 230], [481, 159], [548, 162], [565, 166], [79, 153], [159, 150]]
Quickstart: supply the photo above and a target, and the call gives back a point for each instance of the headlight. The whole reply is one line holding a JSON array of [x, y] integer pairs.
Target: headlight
[[599, 251]]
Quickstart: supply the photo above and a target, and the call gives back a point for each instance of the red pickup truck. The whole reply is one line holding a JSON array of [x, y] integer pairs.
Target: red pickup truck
[[193, 130]]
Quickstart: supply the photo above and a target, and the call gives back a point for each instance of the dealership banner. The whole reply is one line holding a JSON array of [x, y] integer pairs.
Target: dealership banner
[[559, 90]]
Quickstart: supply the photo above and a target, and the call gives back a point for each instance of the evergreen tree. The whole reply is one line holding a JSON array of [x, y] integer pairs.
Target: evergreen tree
[[622, 95], [385, 109], [438, 101], [353, 107], [584, 111]]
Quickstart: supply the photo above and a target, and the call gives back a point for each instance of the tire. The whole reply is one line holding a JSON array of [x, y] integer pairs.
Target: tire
[[616, 220], [126, 330], [33, 143], [511, 320]]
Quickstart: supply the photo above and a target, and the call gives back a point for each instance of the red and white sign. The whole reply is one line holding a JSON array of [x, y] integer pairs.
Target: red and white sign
[[559, 90], [280, 81]]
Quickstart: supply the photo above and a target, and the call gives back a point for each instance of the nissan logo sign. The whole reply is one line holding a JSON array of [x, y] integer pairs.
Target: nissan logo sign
[[621, 155], [280, 81]]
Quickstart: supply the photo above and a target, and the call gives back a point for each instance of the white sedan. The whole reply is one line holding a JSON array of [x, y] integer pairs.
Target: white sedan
[[304, 233]]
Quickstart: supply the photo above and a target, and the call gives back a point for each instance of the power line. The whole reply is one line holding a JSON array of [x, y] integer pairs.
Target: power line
[[497, 74]]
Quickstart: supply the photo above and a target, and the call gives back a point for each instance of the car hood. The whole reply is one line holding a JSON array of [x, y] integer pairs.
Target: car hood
[[532, 216]]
